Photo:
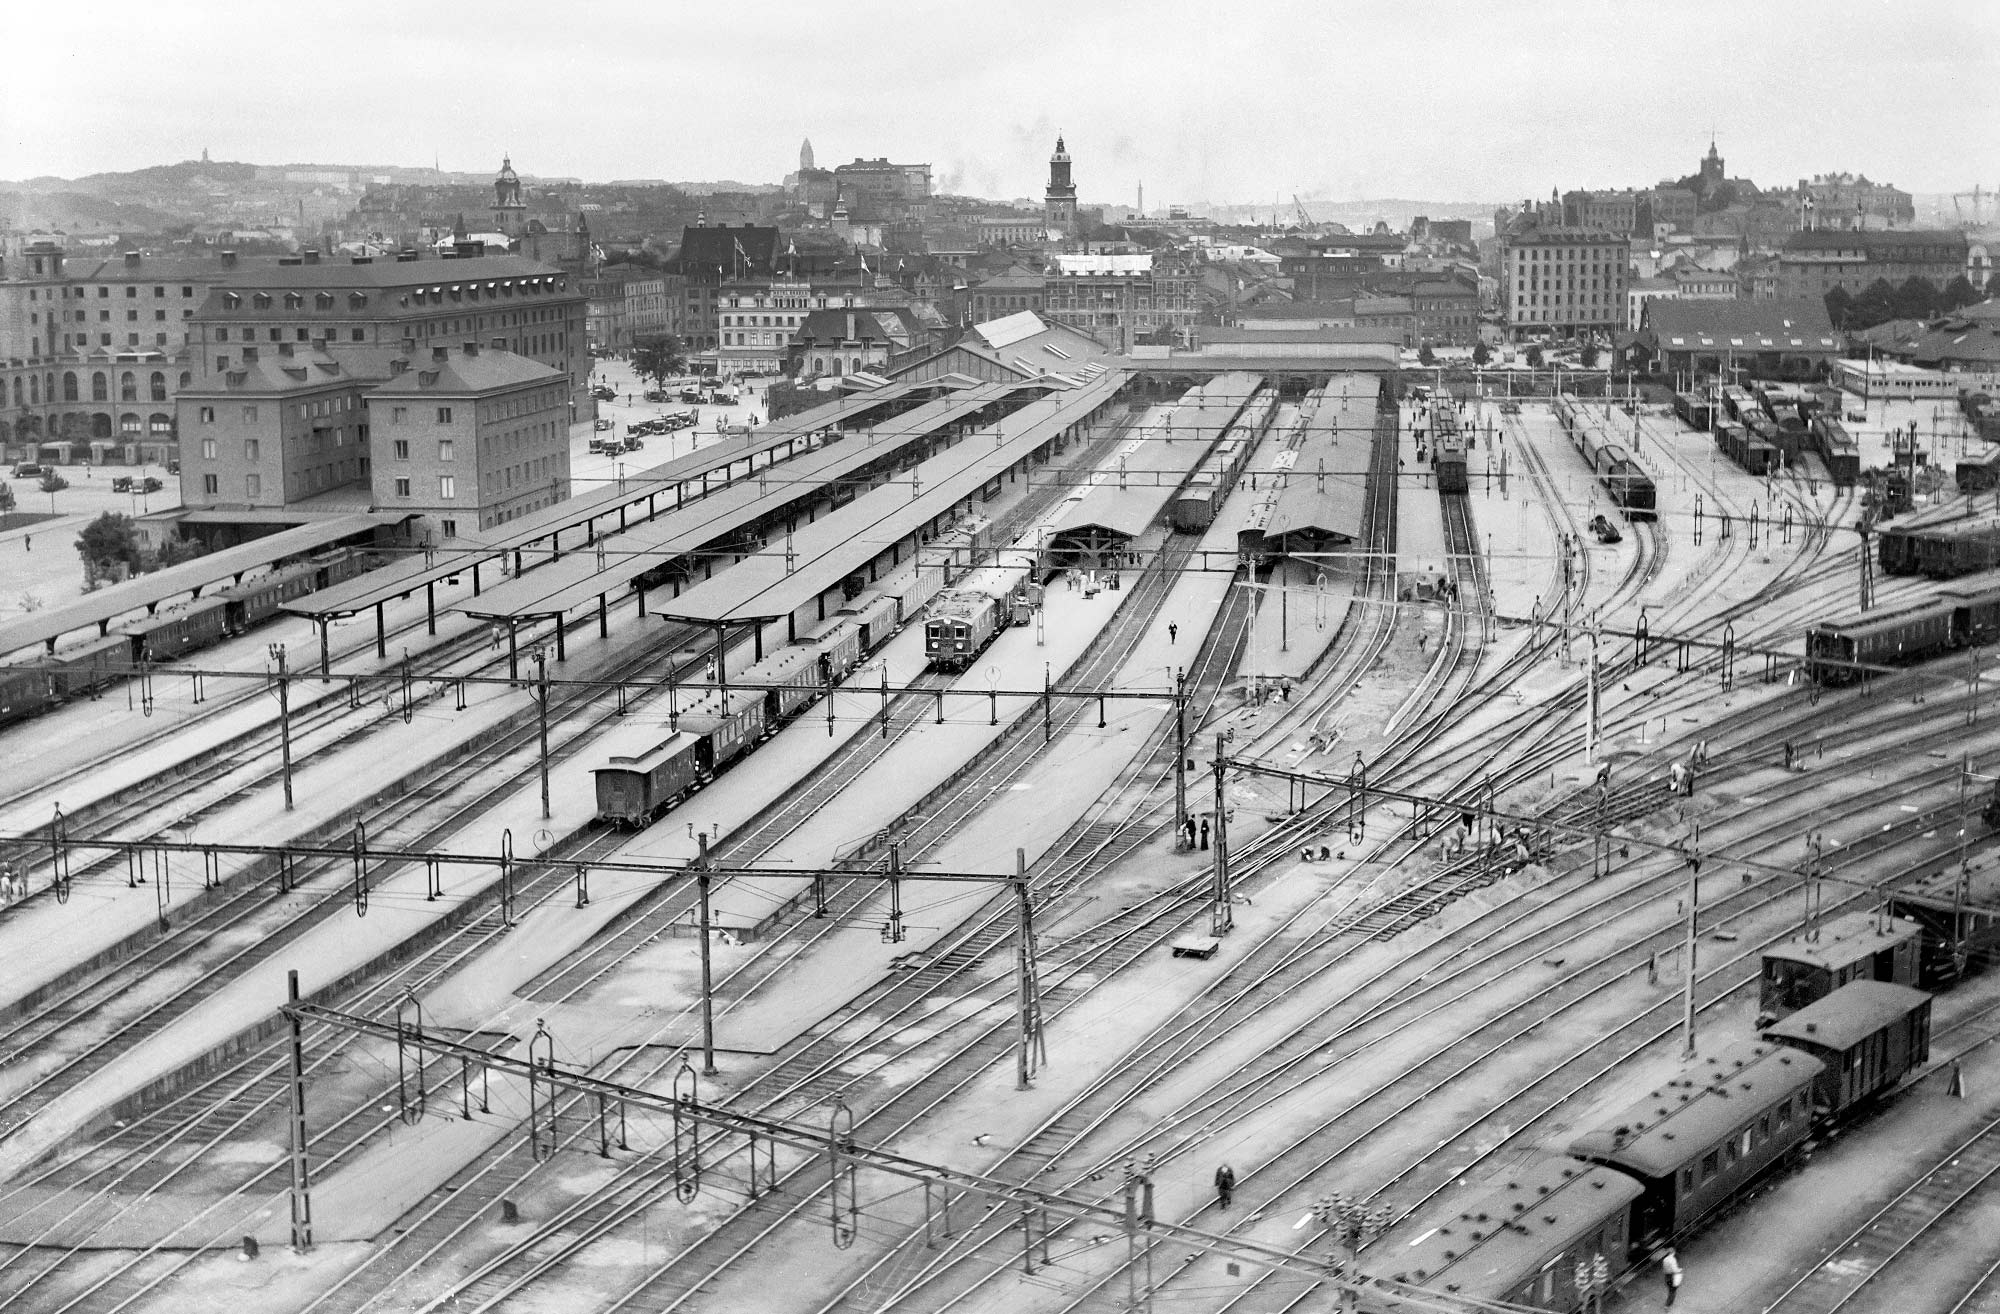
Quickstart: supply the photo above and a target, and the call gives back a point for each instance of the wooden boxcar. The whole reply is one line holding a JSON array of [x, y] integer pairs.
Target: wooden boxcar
[[1698, 1140], [1857, 946], [1975, 611], [632, 791], [1867, 1035]]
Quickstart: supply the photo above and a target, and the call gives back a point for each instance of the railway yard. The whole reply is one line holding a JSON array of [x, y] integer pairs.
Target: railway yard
[[1086, 845]]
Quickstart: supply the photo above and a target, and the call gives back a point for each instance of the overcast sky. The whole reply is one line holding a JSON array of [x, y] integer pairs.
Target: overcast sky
[[1229, 100]]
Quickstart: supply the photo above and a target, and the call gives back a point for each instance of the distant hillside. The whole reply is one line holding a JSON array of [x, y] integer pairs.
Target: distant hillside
[[76, 212]]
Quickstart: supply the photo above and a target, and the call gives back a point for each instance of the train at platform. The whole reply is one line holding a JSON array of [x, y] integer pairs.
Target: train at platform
[[964, 619], [1622, 477], [1448, 448], [31, 687], [1658, 1168], [1195, 505], [1838, 651], [714, 731]]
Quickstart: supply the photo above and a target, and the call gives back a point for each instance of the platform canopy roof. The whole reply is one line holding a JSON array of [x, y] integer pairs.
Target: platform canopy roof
[[1325, 490], [823, 554], [1157, 461], [581, 577], [190, 577]]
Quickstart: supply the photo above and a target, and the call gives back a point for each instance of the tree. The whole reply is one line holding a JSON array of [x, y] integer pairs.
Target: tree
[[1839, 307], [6, 497], [53, 483], [105, 542], [1481, 354], [1875, 305], [1917, 298], [1958, 294], [1534, 357], [659, 357], [1426, 357]]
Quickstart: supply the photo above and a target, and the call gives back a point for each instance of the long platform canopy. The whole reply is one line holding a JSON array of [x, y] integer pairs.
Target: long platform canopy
[[1324, 493], [822, 555], [147, 592], [581, 577], [1158, 461], [397, 581]]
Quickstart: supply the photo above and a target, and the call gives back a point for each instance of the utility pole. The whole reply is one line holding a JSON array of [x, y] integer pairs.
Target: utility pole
[[1031, 1051], [542, 720], [302, 1227], [284, 719], [1180, 759], [707, 968], [1688, 945], [1222, 916]]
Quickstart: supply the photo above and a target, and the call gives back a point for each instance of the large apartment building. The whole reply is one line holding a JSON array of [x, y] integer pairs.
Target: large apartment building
[[1121, 299], [1815, 263], [1565, 281]]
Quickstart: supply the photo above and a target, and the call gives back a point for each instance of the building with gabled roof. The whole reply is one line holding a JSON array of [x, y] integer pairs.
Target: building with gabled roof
[[1766, 339]]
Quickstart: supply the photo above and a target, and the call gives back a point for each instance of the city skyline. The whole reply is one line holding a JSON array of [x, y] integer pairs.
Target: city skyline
[[1446, 101]]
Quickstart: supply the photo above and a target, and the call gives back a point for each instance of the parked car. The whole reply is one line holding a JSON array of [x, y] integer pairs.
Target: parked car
[[1606, 531], [29, 470], [121, 484], [150, 484]]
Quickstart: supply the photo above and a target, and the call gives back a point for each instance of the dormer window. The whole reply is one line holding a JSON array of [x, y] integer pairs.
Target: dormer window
[[261, 301], [356, 300], [293, 301], [324, 301], [230, 301]]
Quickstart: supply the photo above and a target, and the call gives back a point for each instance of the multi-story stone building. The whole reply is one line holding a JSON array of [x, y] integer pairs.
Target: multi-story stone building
[[627, 303], [1563, 280], [363, 312], [92, 350], [281, 426], [1005, 293], [1444, 312], [1119, 299], [710, 257], [1814, 263], [1611, 212], [470, 438], [883, 189]]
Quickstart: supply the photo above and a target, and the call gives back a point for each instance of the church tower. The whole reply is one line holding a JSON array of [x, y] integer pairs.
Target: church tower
[[1059, 206], [806, 155], [510, 213]]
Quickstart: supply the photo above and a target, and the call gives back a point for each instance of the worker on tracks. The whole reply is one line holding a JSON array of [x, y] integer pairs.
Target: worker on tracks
[[1225, 1185]]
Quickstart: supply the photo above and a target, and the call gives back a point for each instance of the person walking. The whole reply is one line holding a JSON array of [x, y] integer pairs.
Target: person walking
[[1670, 1271], [1204, 834], [1225, 1185], [1173, 632]]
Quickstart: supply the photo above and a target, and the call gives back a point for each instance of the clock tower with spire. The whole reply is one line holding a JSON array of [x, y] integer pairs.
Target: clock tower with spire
[[1059, 205], [510, 213]]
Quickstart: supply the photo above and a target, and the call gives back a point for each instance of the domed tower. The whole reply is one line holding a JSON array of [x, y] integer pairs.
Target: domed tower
[[806, 155], [1059, 206], [510, 213]]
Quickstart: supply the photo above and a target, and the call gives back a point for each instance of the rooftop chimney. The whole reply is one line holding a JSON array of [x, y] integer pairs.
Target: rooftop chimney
[[229, 260], [131, 259], [312, 255]]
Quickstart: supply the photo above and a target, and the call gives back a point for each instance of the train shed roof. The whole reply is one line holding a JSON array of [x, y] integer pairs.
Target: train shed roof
[[828, 551], [1711, 1098], [1849, 1015], [1325, 492], [1160, 458], [1504, 1235], [580, 578], [191, 577]]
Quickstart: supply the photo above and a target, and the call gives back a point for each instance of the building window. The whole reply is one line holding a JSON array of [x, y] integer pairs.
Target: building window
[[400, 413], [253, 485], [402, 488], [249, 415], [450, 528], [444, 415], [221, 364], [445, 450], [251, 450], [402, 449], [208, 449], [210, 484], [447, 487], [208, 415]]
